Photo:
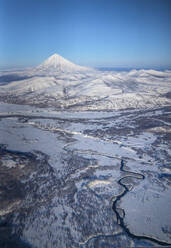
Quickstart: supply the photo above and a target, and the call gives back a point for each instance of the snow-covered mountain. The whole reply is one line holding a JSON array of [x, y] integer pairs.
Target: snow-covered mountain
[[60, 83], [56, 64]]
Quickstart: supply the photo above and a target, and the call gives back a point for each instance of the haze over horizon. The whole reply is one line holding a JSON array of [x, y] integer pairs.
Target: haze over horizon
[[94, 33]]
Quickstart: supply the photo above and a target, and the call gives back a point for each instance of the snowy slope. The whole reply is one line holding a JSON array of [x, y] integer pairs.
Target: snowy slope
[[60, 83], [56, 64], [29, 85]]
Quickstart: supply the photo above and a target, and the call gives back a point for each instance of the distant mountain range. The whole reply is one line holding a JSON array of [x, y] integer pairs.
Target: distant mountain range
[[62, 84]]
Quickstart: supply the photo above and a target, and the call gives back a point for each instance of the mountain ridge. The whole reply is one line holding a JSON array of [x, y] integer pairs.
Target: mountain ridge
[[60, 83]]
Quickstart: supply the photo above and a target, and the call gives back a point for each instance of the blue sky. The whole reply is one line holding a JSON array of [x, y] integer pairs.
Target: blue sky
[[128, 33]]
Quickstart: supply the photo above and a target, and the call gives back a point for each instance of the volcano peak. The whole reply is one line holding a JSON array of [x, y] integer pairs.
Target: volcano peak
[[57, 63]]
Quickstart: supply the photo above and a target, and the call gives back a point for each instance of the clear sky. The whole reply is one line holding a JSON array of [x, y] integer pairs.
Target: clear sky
[[116, 33]]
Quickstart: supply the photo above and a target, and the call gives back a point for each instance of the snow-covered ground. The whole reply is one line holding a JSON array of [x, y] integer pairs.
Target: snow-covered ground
[[59, 83], [83, 179], [85, 151]]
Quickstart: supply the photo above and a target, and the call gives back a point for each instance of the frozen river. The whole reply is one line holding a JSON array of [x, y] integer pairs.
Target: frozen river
[[85, 179]]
